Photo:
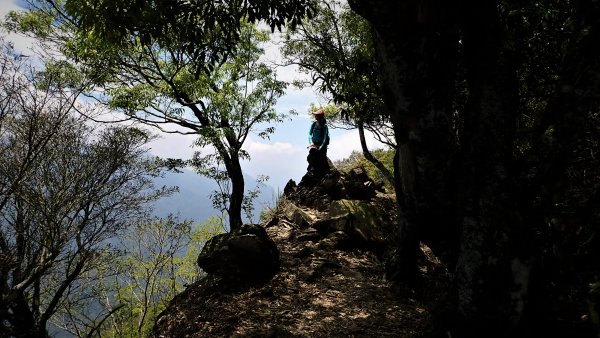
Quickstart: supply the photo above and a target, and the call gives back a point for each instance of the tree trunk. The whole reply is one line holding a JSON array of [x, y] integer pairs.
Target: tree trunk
[[22, 320], [231, 159], [494, 264], [404, 263], [387, 175], [493, 268], [416, 43], [237, 193]]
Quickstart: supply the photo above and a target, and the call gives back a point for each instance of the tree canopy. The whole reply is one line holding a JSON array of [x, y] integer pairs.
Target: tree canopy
[[494, 109], [163, 76], [335, 49], [68, 187]]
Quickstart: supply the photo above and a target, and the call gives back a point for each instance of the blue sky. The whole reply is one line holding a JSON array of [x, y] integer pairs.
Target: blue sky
[[283, 156]]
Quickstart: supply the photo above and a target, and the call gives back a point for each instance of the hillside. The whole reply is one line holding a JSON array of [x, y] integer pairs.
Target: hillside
[[331, 235]]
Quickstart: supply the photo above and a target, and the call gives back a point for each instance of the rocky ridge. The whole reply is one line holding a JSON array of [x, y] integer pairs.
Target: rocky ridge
[[315, 269]]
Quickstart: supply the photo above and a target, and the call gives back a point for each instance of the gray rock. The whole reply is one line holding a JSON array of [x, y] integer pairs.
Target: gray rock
[[244, 255]]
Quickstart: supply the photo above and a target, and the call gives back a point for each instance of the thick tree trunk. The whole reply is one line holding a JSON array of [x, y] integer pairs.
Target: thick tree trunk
[[234, 169], [231, 160], [404, 265], [416, 42], [237, 194], [21, 320], [493, 268], [494, 264]]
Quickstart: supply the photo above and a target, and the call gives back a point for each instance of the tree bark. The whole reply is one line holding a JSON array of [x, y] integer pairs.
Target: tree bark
[[230, 156], [237, 192], [496, 255], [494, 263], [21, 319], [416, 43]]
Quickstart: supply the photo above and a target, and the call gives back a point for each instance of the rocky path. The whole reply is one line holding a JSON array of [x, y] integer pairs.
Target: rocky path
[[330, 282]]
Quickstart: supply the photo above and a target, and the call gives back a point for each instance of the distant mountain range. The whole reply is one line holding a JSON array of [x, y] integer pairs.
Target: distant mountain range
[[193, 199]]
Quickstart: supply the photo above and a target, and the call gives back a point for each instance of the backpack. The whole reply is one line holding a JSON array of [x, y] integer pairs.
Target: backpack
[[312, 127]]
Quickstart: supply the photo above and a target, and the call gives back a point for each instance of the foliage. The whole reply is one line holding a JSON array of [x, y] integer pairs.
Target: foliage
[[147, 275], [251, 196], [357, 160], [67, 187], [211, 166], [162, 264], [206, 31], [156, 260], [189, 270], [205, 79], [267, 213], [335, 49]]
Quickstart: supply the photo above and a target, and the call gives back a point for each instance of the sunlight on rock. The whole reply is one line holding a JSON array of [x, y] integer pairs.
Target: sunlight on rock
[[324, 302], [360, 315], [310, 314]]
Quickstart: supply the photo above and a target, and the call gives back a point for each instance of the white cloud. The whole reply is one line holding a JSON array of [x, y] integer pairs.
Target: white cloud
[[172, 145], [275, 148], [21, 43], [344, 142], [281, 161]]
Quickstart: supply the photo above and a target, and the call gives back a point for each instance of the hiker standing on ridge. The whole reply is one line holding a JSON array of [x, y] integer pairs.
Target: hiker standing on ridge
[[318, 138]]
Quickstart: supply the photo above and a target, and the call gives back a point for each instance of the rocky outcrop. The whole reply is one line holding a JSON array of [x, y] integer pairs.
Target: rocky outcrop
[[249, 255], [349, 217], [317, 190], [331, 232], [362, 223]]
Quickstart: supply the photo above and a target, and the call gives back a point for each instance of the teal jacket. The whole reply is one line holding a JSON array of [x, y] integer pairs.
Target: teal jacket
[[318, 134]]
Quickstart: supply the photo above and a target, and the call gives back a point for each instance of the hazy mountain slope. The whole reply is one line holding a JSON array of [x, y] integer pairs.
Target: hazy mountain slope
[[193, 199]]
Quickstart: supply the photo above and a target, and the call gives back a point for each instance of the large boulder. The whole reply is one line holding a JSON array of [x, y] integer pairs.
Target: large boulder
[[317, 190], [296, 215], [364, 225], [245, 255]]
